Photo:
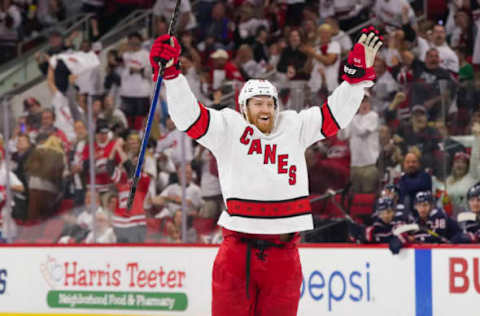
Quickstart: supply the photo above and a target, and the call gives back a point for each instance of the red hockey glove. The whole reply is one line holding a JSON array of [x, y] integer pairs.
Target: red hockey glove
[[165, 50], [359, 66]]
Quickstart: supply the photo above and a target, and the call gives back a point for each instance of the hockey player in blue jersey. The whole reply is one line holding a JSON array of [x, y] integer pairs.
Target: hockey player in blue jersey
[[385, 220], [434, 224], [391, 191], [469, 221]]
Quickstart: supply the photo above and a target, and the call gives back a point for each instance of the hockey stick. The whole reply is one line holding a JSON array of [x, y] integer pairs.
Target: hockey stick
[[151, 114]]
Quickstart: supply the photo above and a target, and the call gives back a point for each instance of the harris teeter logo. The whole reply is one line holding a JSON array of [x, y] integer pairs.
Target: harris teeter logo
[[75, 285]]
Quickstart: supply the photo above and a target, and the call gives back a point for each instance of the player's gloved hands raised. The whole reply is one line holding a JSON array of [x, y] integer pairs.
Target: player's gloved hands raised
[[165, 51], [359, 66], [395, 245]]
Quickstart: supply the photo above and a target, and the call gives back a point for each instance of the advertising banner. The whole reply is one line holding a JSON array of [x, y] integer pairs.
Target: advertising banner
[[177, 281], [115, 280], [456, 282], [357, 281]]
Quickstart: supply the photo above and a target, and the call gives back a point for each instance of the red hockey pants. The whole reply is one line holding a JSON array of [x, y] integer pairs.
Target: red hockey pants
[[273, 276]]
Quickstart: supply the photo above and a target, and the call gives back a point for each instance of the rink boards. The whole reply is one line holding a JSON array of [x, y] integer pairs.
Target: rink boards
[[175, 280]]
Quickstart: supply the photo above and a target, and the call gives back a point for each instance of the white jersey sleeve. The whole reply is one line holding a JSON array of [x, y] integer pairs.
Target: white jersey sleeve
[[342, 105], [207, 126]]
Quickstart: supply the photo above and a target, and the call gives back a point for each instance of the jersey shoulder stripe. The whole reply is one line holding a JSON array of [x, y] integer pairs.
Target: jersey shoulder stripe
[[330, 126], [201, 124]]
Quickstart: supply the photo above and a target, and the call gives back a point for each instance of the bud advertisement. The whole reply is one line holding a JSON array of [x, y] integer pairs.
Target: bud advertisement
[[456, 282]]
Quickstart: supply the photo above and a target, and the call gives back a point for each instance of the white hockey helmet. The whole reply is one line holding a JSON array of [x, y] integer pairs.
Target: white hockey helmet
[[257, 87]]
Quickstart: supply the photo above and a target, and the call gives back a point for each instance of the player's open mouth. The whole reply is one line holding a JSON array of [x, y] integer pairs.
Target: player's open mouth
[[264, 118]]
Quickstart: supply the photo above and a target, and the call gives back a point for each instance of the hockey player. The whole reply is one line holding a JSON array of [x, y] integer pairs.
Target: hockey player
[[385, 219], [263, 175], [469, 221], [434, 224], [391, 191]]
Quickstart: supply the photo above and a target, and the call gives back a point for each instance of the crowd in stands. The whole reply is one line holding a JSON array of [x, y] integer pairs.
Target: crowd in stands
[[411, 153], [26, 21]]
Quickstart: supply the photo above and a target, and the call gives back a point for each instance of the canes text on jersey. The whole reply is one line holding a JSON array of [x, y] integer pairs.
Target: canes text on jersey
[[269, 155]]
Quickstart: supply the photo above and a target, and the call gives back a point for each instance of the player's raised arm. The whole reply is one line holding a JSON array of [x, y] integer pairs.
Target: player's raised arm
[[343, 103], [188, 114]]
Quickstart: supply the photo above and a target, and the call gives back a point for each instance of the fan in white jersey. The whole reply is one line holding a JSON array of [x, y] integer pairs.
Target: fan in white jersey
[[260, 154]]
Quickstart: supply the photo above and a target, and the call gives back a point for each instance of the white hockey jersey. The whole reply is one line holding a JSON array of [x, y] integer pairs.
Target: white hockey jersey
[[263, 178]]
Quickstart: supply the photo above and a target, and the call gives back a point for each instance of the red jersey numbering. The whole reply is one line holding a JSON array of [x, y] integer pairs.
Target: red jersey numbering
[[269, 152]]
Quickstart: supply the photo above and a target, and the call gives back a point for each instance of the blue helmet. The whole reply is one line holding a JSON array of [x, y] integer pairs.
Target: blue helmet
[[474, 191], [424, 196], [384, 204]]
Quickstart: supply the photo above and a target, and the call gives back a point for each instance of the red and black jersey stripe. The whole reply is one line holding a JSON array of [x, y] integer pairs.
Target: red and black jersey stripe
[[268, 209], [330, 126], [201, 124]]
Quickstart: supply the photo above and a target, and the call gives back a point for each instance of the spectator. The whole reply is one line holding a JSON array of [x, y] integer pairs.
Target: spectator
[[113, 73], [163, 9], [259, 46], [56, 45], [463, 34], [171, 197], [44, 169], [51, 12], [384, 90], [76, 162], [433, 85], [328, 165], [114, 116], [136, 83], [448, 58], [340, 36], [96, 8], [104, 233], [348, 13], [79, 222], [294, 14], [460, 180], [130, 225], [362, 134], [390, 159], [414, 180], [194, 79], [209, 185], [174, 230], [104, 146], [89, 81], [48, 128], [170, 144], [418, 134], [247, 66], [19, 159], [219, 30], [223, 69], [326, 59], [33, 111], [10, 24], [8, 229], [293, 56]]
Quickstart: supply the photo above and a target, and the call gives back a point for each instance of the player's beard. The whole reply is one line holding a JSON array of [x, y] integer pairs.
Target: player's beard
[[265, 127]]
